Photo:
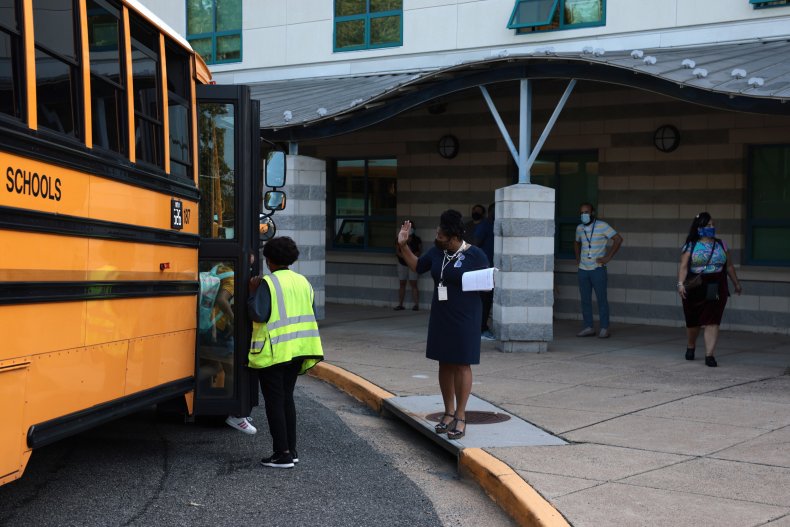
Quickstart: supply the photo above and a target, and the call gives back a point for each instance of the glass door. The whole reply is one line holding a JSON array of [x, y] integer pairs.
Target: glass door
[[228, 166]]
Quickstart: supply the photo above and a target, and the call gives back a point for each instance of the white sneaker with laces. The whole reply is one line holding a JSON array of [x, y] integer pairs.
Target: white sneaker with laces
[[586, 332], [241, 424]]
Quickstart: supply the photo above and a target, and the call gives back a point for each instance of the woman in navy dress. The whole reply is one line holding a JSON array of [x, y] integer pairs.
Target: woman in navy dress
[[454, 326]]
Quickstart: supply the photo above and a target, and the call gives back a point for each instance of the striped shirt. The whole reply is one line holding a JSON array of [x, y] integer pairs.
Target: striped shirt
[[593, 238]]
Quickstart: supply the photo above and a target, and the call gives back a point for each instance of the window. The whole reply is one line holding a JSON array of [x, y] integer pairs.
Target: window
[[10, 60], [179, 112], [760, 4], [574, 177], [214, 29], [57, 66], [368, 24], [768, 206], [364, 195], [546, 15], [148, 126], [108, 77], [217, 166]]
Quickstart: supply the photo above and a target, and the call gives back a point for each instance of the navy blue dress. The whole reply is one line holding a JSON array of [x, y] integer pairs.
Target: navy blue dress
[[454, 326]]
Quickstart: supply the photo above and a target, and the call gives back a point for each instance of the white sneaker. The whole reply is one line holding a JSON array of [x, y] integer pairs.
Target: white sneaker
[[241, 423], [586, 332], [604, 334]]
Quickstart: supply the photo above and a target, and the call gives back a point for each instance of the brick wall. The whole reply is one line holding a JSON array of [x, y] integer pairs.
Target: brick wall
[[648, 196]]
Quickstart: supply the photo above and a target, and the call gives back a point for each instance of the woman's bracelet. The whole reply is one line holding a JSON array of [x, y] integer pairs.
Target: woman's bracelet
[[680, 284]]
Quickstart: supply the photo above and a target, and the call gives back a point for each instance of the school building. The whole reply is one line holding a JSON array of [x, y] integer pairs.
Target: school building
[[654, 110]]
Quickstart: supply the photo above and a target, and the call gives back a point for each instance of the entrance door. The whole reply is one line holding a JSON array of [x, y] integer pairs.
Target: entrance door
[[229, 182]]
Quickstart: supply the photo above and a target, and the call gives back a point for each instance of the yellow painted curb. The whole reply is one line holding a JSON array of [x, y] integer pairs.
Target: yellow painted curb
[[509, 490], [354, 385]]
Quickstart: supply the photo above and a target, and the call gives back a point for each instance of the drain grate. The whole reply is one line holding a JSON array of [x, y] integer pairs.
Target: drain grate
[[475, 418]]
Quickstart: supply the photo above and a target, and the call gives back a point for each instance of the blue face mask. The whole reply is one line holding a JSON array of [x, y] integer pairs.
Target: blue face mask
[[585, 218], [707, 232]]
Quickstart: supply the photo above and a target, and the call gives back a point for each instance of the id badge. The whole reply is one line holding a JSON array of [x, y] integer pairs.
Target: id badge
[[442, 292]]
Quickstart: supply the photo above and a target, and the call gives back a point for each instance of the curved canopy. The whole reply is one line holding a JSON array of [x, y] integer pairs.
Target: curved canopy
[[749, 77]]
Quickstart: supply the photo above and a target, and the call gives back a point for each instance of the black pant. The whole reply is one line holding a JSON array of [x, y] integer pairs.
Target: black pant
[[277, 384], [488, 300]]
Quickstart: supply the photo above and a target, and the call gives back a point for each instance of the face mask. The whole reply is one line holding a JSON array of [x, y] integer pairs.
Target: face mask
[[707, 232], [586, 218], [477, 216]]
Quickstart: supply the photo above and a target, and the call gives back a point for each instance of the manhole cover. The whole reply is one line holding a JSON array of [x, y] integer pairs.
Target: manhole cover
[[475, 418]]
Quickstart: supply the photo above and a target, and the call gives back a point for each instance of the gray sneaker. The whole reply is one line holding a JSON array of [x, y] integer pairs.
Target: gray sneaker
[[586, 332], [487, 335], [604, 334]]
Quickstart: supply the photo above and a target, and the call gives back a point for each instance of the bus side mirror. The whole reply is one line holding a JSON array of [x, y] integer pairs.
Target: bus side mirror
[[274, 200], [266, 230], [275, 170]]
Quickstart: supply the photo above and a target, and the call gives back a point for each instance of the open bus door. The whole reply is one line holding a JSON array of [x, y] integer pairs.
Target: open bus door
[[230, 199]]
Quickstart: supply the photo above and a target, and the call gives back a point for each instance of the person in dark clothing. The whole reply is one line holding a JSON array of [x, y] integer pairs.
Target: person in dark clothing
[[470, 227], [285, 343], [484, 238], [453, 335]]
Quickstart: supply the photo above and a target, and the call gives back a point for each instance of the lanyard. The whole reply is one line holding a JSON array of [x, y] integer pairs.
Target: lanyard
[[447, 259], [589, 239]]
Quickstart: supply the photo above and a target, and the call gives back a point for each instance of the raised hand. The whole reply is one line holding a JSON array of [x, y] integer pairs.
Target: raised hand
[[403, 235]]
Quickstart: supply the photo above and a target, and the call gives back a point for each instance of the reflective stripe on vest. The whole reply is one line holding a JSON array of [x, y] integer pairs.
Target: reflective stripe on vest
[[283, 338]]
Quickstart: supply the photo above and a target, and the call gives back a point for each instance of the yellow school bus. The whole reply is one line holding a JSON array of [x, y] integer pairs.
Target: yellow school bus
[[126, 179]]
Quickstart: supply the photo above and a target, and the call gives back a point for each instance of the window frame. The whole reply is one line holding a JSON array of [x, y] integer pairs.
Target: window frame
[[556, 157], [75, 68], [366, 217], [93, 76], [157, 122], [214, 34], [750, 223], [366, 16], [527, 28], [184, 100], [768, 4], [16, 39]]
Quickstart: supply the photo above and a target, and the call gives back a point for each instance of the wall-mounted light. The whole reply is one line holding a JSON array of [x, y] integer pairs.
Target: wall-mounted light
[[666, 138], [448, 146]]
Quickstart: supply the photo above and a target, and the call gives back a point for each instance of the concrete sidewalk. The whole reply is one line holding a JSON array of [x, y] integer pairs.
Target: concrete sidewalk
[[654, 439]]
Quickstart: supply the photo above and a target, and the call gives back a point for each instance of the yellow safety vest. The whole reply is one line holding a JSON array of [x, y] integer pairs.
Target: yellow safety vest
[[291, 330]]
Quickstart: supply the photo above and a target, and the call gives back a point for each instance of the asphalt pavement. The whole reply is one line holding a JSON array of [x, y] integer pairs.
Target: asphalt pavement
[[653, 439], [355, 469]]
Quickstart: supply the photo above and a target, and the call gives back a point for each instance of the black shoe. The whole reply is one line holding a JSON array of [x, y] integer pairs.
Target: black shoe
[[442, 427], [295, 455], [399, 308], [283, 460], [710, 361], [457, 433], [689, 353]]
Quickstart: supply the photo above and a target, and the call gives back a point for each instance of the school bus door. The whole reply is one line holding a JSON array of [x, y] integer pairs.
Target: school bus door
[[229, 183]]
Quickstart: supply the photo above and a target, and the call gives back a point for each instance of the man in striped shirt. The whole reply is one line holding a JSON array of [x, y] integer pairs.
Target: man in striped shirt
[[592, 254]]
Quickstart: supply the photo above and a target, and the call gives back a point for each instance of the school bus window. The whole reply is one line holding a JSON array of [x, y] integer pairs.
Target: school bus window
[[149, 130], [179, 113], [10, 53], [57, 65], [108, 81]]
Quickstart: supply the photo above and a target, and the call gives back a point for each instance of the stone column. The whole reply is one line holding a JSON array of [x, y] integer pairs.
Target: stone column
[[524, 254], [304, 220]]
